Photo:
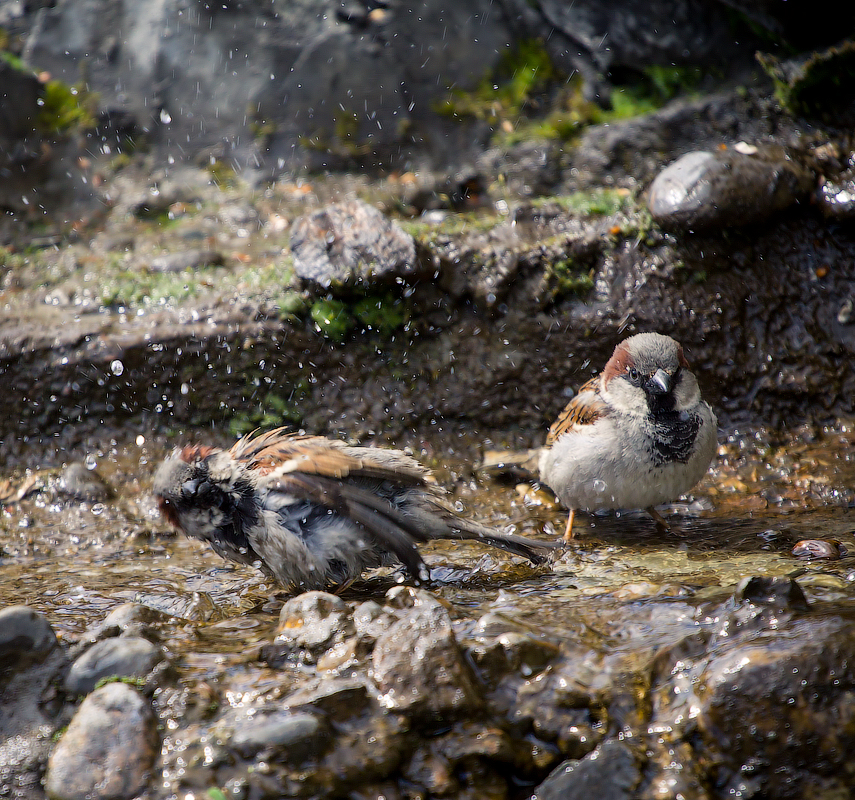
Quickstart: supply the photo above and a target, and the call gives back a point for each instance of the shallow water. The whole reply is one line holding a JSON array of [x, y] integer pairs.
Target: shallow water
[[76, 561]]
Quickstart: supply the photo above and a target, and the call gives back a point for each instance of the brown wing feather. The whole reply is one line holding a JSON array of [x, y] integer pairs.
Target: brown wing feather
[[585, 408], [315, 455]]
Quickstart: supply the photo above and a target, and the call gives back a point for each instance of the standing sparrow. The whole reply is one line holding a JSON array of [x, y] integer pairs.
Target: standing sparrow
[[635, 436], [313, 512]]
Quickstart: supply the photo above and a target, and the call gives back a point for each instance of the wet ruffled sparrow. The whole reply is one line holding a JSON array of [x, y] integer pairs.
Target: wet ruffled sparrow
[[635, 436], [314, 512]]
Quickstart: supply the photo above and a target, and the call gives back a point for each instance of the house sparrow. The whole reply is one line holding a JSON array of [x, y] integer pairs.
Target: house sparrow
[[635, 436], [312, 512]]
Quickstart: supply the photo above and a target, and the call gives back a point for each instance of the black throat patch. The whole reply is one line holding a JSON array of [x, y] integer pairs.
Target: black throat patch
[[673, 434]]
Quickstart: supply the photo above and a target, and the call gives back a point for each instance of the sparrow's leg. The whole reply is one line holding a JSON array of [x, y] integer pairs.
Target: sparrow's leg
[[568, 531], [661, 525]]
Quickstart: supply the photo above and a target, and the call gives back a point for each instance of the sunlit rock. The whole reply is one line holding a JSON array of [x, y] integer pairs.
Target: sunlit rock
[[609, 773], [349, 244], [419, 667], [309, 626], [120, 657], [108, 749], [708, 190]]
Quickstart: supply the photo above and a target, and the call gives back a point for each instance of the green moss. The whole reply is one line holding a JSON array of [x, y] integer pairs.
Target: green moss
[[594, 203], [819, 85], [10, 58], [272, 411], [291, 305], [222, 173], [460, 224], [120, 286], [65, 108], [567, 279], [332, 318], [521, 75], [384, 314], [137, 683]]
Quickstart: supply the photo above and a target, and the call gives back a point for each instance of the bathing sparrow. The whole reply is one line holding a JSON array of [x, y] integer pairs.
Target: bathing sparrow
[[635, 436], [313, 512]]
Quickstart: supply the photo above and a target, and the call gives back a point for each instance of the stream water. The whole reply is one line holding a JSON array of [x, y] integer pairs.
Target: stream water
[[75, 561]]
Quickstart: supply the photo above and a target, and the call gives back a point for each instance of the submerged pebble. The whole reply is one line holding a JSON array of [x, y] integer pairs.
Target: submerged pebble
[[819, 548]]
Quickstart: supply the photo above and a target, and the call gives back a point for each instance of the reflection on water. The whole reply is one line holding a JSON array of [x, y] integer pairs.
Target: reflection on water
[[77, 561]]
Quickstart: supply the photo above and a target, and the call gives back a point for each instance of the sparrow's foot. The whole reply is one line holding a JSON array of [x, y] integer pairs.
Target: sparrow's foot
[[568, 531], [661, 525]]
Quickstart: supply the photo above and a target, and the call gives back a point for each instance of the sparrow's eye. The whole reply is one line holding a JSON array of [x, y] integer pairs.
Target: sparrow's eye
[[633, 374]]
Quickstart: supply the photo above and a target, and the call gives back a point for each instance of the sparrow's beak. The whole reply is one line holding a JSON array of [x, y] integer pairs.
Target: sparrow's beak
[[660, 382]]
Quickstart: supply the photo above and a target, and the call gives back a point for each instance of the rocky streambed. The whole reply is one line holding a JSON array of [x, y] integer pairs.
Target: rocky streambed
[[456, 319], [709, 662]]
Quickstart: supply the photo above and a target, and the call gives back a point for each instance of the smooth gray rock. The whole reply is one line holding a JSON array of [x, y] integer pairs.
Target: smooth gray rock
[[25, 636], [108, 750], [123, 657], [295, 734], [706, 190], [608, 773]]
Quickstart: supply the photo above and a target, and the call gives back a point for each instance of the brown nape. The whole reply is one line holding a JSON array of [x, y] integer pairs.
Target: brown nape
[[195, 452], [169, 512], [619, 363]]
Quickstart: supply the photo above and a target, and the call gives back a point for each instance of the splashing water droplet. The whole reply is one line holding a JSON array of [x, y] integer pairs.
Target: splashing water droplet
[[117, 367], [599, 486]]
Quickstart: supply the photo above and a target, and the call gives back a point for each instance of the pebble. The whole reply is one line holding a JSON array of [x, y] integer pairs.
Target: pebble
[[351, 243], [705, 190], [296, 734], [609, 773], [122, 657], [419, 667], [25, 636], [108, 749], [81, 483], [311, 625], [819, 548]]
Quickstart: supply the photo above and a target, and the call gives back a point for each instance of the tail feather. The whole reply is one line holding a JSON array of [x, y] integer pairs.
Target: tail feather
[[445, 523]]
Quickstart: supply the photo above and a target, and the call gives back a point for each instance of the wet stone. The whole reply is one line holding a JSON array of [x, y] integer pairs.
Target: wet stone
[[512, 652], [819, 548], [836, 198], [371, 620], [351, 243], [706, 190], [81, 483], [309, 626], [108, 749], [782, 593], [127, 619], [25, 636], [122, 657], [608, 773], [420, 668], [774, 707], [337, 698], [294, 736]]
